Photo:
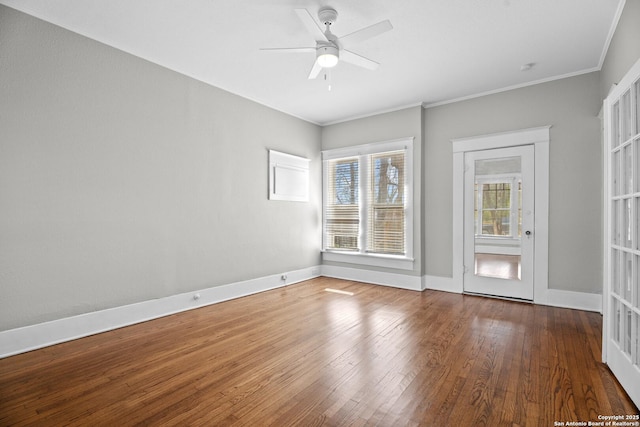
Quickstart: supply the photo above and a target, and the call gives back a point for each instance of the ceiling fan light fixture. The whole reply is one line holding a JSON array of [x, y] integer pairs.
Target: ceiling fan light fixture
[[327, 56]]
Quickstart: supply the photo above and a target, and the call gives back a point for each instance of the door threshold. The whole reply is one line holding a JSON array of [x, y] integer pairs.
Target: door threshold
[[476, 294]]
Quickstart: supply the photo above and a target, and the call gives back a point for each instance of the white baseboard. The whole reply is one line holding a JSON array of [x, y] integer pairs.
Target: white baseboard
[[403, 281], [570, 299], [438, 283], [20, 340], [551, 297]]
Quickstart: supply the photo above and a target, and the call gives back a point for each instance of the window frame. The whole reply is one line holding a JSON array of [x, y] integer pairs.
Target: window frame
[[362, 257]]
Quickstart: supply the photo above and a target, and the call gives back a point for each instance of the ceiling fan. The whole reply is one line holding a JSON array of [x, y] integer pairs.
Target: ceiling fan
[[330, 49]]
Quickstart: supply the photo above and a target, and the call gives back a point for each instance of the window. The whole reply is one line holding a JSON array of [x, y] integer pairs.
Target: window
[[367, 201], [498, 204], [386, 207]]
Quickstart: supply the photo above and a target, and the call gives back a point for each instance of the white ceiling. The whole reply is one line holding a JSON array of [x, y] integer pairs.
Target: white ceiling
[[439, 50]]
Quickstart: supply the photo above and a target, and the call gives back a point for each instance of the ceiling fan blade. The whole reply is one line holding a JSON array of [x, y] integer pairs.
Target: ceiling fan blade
[[355, 59], [315, 71], [289, 49], [311, 24], [366, 33]]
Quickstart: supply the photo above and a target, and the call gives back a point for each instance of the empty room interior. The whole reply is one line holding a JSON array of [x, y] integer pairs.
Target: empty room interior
[[320, 213]]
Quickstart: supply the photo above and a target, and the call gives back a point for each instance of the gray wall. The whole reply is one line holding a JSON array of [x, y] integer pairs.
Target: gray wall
[[570, 105], [386, 127], [121, 181], [624, 49]]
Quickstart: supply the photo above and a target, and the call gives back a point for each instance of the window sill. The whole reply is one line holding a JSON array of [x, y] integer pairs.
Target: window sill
[[376, 260]]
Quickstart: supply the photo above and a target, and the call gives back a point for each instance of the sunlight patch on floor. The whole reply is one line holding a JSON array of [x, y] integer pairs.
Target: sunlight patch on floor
[[338, 291]]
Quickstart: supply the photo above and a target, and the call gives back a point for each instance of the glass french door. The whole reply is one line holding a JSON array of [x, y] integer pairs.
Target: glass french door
[[498, 222], [621, 308]]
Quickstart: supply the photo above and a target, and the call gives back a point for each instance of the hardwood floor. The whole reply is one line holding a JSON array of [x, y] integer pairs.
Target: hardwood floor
[[300, 355]]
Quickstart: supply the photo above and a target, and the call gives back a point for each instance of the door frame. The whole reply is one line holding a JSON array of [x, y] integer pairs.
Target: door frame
[[617, 361], [539, 138], [521, 288]]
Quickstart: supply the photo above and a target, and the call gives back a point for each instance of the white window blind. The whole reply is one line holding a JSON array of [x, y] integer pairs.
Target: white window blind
[[342, 207]]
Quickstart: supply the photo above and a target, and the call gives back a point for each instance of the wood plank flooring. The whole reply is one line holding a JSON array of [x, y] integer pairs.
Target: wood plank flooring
[[303, 356]]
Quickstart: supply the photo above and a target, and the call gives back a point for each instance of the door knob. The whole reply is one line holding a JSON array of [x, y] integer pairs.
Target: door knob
[[528, 233]]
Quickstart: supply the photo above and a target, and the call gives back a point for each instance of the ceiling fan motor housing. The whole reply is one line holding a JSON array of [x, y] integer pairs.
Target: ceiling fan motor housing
[[327, 15], [327, 49]]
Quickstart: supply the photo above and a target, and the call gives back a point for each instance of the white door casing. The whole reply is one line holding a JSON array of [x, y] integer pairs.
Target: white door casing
[[539, 139]]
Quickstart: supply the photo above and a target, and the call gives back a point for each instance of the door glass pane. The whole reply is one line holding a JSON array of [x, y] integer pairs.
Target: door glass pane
[[637, 97], [616, 321], [627, 283], [636, 339], [636, 286], [636, 164], [626, 325], [615, 222], [626, 223], [615, 271], [520, 209], [615, 173], [637, 223], [498, 218], [625, 116], [627, 169], [615, 123]]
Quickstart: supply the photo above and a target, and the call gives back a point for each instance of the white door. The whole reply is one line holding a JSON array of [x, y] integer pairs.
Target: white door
[[498, 222], [621, 337]]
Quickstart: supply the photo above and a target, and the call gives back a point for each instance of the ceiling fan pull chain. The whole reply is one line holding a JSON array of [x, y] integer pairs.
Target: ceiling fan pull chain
[[327, 79]]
